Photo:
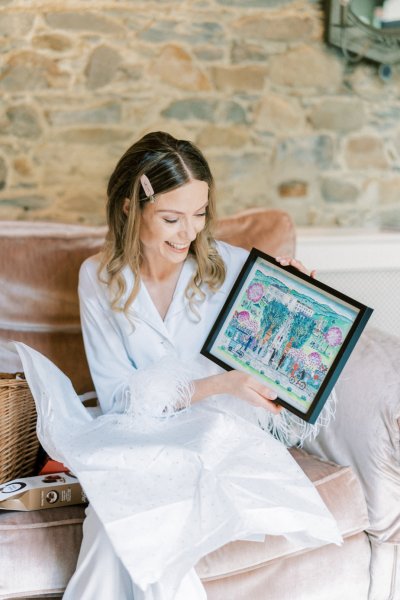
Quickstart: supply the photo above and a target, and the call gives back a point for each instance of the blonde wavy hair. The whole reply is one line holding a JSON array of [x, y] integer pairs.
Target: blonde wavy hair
[[168, 163]]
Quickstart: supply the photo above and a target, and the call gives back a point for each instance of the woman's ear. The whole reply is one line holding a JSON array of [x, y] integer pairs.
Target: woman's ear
[[126, 206]]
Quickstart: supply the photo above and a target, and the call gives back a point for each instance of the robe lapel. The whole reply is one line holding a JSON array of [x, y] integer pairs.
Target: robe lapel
[[143, 308], [179, 301]]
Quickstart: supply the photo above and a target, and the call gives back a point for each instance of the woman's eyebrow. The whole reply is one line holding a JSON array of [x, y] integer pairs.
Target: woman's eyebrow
[[177, 212]]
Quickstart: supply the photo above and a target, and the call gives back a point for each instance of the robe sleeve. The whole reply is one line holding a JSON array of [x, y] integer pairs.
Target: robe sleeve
[[155, 391]]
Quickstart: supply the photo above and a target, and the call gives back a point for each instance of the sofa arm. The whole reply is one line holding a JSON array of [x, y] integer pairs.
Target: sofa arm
[[365, 432]]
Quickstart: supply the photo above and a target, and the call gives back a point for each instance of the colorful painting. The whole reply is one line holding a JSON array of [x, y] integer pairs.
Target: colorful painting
[[287, 330]]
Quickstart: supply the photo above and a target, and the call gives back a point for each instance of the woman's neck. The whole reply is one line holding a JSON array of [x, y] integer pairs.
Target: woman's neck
[[157, 272]]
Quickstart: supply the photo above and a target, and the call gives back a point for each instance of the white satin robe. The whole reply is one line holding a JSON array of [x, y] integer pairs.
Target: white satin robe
[[164, 491]]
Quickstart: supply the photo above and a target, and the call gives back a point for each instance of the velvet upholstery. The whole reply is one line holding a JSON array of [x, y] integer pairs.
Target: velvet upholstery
[[366, 433], [271, 231], [328, 573]]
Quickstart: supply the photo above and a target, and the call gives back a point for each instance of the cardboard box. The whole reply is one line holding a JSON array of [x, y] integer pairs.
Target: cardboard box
[[43, 491]]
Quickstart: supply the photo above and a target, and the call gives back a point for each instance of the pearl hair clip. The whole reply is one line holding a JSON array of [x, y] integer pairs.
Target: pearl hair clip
[[148, 188]]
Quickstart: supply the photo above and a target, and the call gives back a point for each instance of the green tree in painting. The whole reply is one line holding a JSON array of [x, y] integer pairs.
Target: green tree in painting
[[300, 330], [274, 315]]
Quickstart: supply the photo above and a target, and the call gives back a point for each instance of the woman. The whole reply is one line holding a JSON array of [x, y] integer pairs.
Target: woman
[[177, 465]]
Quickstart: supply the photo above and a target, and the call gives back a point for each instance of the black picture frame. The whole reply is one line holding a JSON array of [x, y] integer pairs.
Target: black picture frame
[[291, 331]]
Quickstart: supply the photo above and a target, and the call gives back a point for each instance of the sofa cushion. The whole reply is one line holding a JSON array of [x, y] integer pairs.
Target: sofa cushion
[[327, 573], [366, 430], [269, 230], [341, 492], [39, 549]]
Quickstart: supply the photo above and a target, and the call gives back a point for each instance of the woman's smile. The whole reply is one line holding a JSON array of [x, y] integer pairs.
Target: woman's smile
[[179, 247]]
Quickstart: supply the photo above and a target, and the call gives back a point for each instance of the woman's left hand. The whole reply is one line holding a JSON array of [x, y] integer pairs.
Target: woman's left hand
[[293, 262]]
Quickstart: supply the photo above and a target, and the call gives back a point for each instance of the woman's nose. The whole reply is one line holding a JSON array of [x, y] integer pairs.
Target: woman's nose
[[189, 230]]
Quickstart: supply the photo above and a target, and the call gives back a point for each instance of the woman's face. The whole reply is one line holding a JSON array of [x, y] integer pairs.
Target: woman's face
[[172, 222]]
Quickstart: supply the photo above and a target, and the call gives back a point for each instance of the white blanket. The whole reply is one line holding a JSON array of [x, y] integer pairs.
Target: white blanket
[[183, 487]]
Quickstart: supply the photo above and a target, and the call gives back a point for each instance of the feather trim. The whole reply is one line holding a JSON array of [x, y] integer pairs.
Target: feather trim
[[158, 392], [290, 429]]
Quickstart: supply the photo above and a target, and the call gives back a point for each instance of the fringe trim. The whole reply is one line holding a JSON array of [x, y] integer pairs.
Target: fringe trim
[[291, 430]]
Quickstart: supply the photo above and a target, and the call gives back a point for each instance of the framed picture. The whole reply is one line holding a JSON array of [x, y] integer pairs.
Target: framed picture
[[290, 331]]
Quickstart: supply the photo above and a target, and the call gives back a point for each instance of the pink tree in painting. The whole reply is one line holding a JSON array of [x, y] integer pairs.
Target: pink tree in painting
[[333, 337]]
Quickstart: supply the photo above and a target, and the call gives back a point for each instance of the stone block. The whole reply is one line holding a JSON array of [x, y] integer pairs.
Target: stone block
[[102, 67], [237, 78], [208, 53], [389, 191], [92, 135], [337, 191], [175, 67], [22, 166], [52, 41], [29, 202], [206, 110], [201, 32], [83, 21], [338, 114], [21, 121], [189, 31], [311, 151], [127, 73], [69, 169], [277, 113], [242, 51], [242, 181], [365, 152], [109, 112], [293, 188], [159, 31], [290, 27], [30, 71], [229, 137], [14, 25], [306, 66], [88, 202]]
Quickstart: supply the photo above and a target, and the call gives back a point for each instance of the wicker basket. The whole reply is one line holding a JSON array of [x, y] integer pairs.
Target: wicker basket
[[19, 444]]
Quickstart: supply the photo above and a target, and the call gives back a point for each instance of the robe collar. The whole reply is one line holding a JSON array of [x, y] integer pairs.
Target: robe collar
[[144, 309]]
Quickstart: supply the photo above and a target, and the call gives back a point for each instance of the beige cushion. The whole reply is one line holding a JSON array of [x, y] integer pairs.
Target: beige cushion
[[39, 549], [269, 230], [366, 432], [327, 573], [342, 493]]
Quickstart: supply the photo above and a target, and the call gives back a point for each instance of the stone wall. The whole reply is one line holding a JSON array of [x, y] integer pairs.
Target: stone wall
[[280, 117]]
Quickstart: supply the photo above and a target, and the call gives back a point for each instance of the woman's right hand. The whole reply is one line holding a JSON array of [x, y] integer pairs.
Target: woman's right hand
[[241, 385]]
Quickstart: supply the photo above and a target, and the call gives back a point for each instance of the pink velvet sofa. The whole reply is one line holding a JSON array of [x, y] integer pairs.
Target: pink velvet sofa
[[355, 463]]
